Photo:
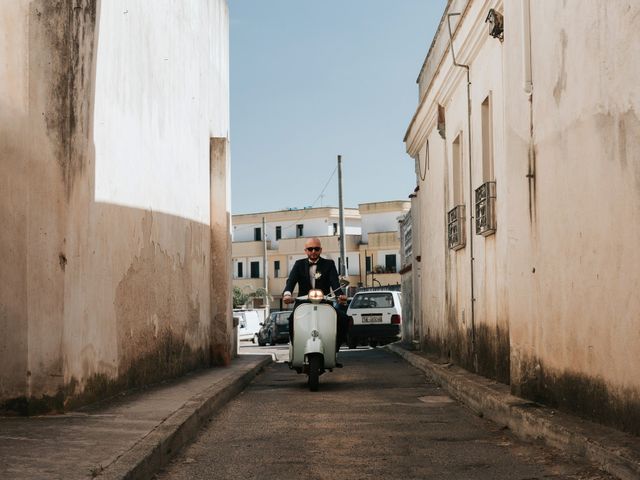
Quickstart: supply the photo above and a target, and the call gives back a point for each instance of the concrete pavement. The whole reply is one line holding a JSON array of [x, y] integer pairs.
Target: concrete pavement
[[615, 452], [135, 435], [130, 437]]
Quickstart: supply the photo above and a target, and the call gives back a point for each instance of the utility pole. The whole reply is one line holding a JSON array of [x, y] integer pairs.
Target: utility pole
[[342, 268], [265, 267]]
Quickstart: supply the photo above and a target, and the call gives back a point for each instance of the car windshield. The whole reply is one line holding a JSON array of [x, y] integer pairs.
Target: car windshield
[[283, 319], [372, 300]]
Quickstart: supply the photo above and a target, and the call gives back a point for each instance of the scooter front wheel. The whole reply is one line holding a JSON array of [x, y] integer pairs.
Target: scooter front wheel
[[315, 365]]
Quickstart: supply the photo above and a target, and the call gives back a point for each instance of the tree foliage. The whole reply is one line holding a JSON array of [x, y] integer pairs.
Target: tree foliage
[[239, 297]]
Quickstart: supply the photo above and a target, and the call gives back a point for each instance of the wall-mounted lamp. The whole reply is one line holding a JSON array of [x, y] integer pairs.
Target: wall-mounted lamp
[[496, 24]]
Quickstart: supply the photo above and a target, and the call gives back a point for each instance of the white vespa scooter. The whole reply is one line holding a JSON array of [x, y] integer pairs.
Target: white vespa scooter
[[313, 349]]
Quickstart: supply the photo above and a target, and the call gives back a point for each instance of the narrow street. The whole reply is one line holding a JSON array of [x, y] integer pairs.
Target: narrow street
[[376, 418]]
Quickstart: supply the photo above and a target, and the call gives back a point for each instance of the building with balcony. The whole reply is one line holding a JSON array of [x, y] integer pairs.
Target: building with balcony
[[372, 244]]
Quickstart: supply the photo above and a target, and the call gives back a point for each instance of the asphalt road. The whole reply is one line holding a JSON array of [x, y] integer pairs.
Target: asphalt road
[[377, 418]]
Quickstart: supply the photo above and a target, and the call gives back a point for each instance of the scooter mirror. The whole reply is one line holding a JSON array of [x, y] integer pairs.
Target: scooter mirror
[[344, 282]]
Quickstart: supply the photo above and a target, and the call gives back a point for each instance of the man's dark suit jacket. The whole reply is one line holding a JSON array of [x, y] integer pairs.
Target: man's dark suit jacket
[[327, 281]]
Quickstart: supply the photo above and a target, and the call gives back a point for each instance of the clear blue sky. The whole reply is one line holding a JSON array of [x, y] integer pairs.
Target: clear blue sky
[[314, 79]]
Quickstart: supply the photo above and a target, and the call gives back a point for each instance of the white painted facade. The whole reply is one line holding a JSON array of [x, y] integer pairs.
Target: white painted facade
[[379, 222], [314, 222], [114, 151], [147, 108], [548, 303]]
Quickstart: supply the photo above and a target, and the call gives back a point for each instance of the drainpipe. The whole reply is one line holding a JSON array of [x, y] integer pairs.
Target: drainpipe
[[528, 89], [474, 352], [526, 47]]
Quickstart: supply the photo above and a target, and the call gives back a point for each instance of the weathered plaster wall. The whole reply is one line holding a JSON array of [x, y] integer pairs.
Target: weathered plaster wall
[[555, 288], [573, 252], [406, 285], [474, 333], [111, 291], [14, 148], [47, 87]]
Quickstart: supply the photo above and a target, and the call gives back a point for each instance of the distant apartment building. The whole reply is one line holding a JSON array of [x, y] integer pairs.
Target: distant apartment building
[[372, 244]]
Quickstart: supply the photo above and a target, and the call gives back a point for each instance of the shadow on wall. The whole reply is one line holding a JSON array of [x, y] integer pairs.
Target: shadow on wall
[[137, 310], [96, 298]]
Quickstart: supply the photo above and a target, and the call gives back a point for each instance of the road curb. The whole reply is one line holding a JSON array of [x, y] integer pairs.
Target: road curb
[[155, 450], [613, 451]]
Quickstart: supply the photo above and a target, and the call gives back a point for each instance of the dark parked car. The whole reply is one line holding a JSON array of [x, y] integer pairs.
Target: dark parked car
[[275, 329]]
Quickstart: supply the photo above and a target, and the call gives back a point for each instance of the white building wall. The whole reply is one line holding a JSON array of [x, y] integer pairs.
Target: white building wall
[[106, 144], [320, 227], [554, 287], [575, 262], [379, 222], [353, 259], [147, 108]]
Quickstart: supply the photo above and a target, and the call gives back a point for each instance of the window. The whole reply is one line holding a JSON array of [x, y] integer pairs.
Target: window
[[367, 262], [487, 140], [456, 152], [373, 300], [278, 232], [346, 264], [335, 228], [276, 268], [240, 272], [255, 269], [299, 230], [390, 263], [257, 234]]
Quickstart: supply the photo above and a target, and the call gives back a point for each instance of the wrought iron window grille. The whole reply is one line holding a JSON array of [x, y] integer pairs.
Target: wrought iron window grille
[[455, 227], [486, 209]]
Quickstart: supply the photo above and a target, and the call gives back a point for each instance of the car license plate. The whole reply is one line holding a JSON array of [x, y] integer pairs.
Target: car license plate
[[372, 319]]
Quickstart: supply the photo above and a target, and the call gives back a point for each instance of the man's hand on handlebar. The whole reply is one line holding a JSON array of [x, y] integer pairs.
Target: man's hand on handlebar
[[288, 299], [342, 299]]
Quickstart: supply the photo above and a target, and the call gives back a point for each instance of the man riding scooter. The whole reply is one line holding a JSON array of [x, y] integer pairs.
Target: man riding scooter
[[315, 272]]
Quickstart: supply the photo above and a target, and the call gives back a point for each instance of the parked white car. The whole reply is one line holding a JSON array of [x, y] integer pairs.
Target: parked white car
[[374, 318], [248, 324]]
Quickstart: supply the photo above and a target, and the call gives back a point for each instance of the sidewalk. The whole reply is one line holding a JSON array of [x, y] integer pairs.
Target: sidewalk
[[131, 437], [616, 452]]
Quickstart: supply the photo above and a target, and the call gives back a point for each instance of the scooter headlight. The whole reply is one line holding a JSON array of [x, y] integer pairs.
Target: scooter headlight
[[315, 295]]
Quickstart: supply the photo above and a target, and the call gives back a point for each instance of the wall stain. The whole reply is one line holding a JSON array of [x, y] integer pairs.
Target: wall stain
[[561, 82], [493, 350], [157, 311], [171, 357], [589, 397], [622, 130], [68, 28]]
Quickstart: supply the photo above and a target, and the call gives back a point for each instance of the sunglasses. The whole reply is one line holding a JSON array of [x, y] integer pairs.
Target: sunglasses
[[313, 249]]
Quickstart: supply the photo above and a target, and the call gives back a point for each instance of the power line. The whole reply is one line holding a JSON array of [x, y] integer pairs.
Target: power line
[[305, 210]]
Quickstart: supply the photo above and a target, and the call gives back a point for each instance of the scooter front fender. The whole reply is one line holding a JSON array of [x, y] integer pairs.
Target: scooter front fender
[[314, 345]]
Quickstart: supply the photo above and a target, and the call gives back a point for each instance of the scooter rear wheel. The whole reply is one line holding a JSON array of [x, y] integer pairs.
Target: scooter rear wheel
[[314, 372]]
